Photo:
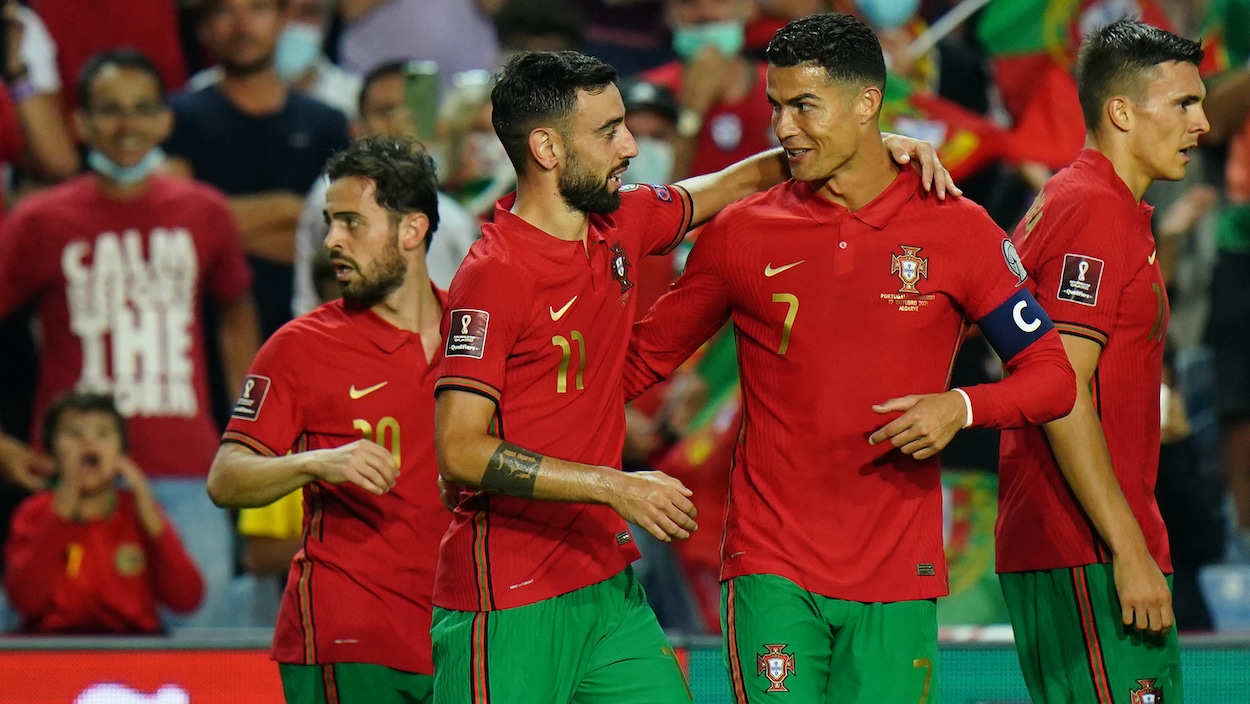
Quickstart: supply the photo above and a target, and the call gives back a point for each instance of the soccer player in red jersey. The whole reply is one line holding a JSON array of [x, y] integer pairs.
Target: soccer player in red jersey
[[850, 291], [337, 403], [535, 601], [1082, 550]]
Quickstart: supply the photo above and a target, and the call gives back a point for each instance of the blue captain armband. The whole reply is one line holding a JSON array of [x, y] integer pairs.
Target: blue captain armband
[[1015, 324]]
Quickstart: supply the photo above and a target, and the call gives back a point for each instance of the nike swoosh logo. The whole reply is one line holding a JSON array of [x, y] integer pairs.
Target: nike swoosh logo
[[1151, 259], [769, 271], [361, 393], [557, 314]]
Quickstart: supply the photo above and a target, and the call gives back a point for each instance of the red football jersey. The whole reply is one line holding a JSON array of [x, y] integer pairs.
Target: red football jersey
[[1089, 246], [118, 287], [540, 326], [835, 311], [103, 576], [360, 589]]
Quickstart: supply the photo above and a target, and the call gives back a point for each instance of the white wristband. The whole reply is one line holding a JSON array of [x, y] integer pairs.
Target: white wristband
[[967, 405]]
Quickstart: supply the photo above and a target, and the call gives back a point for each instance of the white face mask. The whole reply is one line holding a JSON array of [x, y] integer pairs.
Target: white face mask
[[125, 175], [654, 163], [297, 50]]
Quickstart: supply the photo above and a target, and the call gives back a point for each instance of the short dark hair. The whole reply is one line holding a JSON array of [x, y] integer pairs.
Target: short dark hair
[[86, 402], [539, 88], [375, 74], [402, 173], [201, 9], [840, 43], [1120, 58], [124, 57]]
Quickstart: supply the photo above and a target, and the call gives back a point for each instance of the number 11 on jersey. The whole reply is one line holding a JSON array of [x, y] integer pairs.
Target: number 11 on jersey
[[566, 353]]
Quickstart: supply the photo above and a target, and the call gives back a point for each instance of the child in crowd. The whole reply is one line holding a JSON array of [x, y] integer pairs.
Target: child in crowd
[[86, 556]]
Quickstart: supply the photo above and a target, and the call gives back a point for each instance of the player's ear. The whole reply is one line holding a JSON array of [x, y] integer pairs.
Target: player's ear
[[413, 230], [868, 104], [1119, 112], [547, 147]]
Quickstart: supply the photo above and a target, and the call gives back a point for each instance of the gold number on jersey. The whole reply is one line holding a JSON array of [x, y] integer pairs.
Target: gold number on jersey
[[566, 354], [927, 664], [792, 301], [387, 434]]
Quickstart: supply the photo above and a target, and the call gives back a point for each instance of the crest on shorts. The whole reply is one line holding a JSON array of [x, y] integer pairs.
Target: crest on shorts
[[909, 267], [776, 665], [1148, 694], [620, 267]]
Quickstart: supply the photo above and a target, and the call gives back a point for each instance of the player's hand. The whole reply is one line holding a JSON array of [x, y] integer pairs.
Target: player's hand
[[22, 465], [928, 423], [706, 77], [655, 502], [923, 157], [366, 464], [1145, 600]]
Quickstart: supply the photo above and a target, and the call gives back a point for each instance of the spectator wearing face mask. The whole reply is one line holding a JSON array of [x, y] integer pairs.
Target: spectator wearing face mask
[[300, 61], [723, 113]]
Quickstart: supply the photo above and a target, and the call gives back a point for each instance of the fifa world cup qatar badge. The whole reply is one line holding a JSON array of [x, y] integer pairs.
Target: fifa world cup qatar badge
[[1148, 694], [776, 665]]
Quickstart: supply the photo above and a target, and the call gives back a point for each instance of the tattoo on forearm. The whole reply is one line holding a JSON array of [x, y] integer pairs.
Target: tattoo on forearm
[[511, 471]]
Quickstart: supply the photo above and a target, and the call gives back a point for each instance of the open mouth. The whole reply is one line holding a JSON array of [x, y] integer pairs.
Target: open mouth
[[615, 176], [90, 462], [796, 153], [342, 269]]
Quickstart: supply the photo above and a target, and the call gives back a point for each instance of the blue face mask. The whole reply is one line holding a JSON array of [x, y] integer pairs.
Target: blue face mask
[[297, 50], [727, 37], [887, 14], [125, 175]]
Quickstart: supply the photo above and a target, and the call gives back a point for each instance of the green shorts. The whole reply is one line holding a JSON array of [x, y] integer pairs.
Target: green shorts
[[1074, 648], [597, 645], [354, 683], [784, 643]]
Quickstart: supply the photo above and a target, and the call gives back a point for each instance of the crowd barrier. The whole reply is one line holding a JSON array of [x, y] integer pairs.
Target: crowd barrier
[[233, 667]]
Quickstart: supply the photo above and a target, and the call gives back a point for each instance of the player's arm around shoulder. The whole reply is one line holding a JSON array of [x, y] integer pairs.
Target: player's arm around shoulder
[[469, 456]]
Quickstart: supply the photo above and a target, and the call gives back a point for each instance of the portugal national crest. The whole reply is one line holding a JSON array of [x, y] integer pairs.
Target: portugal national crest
[[1148, 694], [776, 665], [620, 267], [909, 267]]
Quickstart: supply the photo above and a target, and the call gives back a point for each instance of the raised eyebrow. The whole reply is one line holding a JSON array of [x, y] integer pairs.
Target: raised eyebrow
[[795, 100]]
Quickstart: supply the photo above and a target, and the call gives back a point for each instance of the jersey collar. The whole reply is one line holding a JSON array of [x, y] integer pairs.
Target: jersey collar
[[877, 213], [536, 240], [1101, 165], [385, 336]]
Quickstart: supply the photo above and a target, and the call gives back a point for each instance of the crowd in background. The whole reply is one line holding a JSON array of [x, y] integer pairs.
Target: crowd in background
[[249, 99]]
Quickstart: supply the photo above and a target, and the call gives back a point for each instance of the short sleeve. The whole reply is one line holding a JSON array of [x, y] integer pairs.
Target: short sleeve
[[1081, 268], [268, 416], [486, 312], [660, 215]]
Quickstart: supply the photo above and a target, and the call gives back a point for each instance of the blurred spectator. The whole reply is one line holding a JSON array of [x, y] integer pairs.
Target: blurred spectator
[[271, 535], [257, 140], [1190, 496], [631, 35], [1227, 36], [299, 60], [538, 25], [383, 111], [473, 166], [117, 263], [30, 70], [458, 35], [724, 114], [87, 557], [82, 29]]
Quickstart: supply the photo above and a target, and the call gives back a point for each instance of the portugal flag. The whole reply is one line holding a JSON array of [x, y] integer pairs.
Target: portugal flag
[[1033, 44]]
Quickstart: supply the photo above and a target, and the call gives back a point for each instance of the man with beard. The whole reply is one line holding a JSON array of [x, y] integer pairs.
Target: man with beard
[[258, 140], [337, 402], [534, 597]]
